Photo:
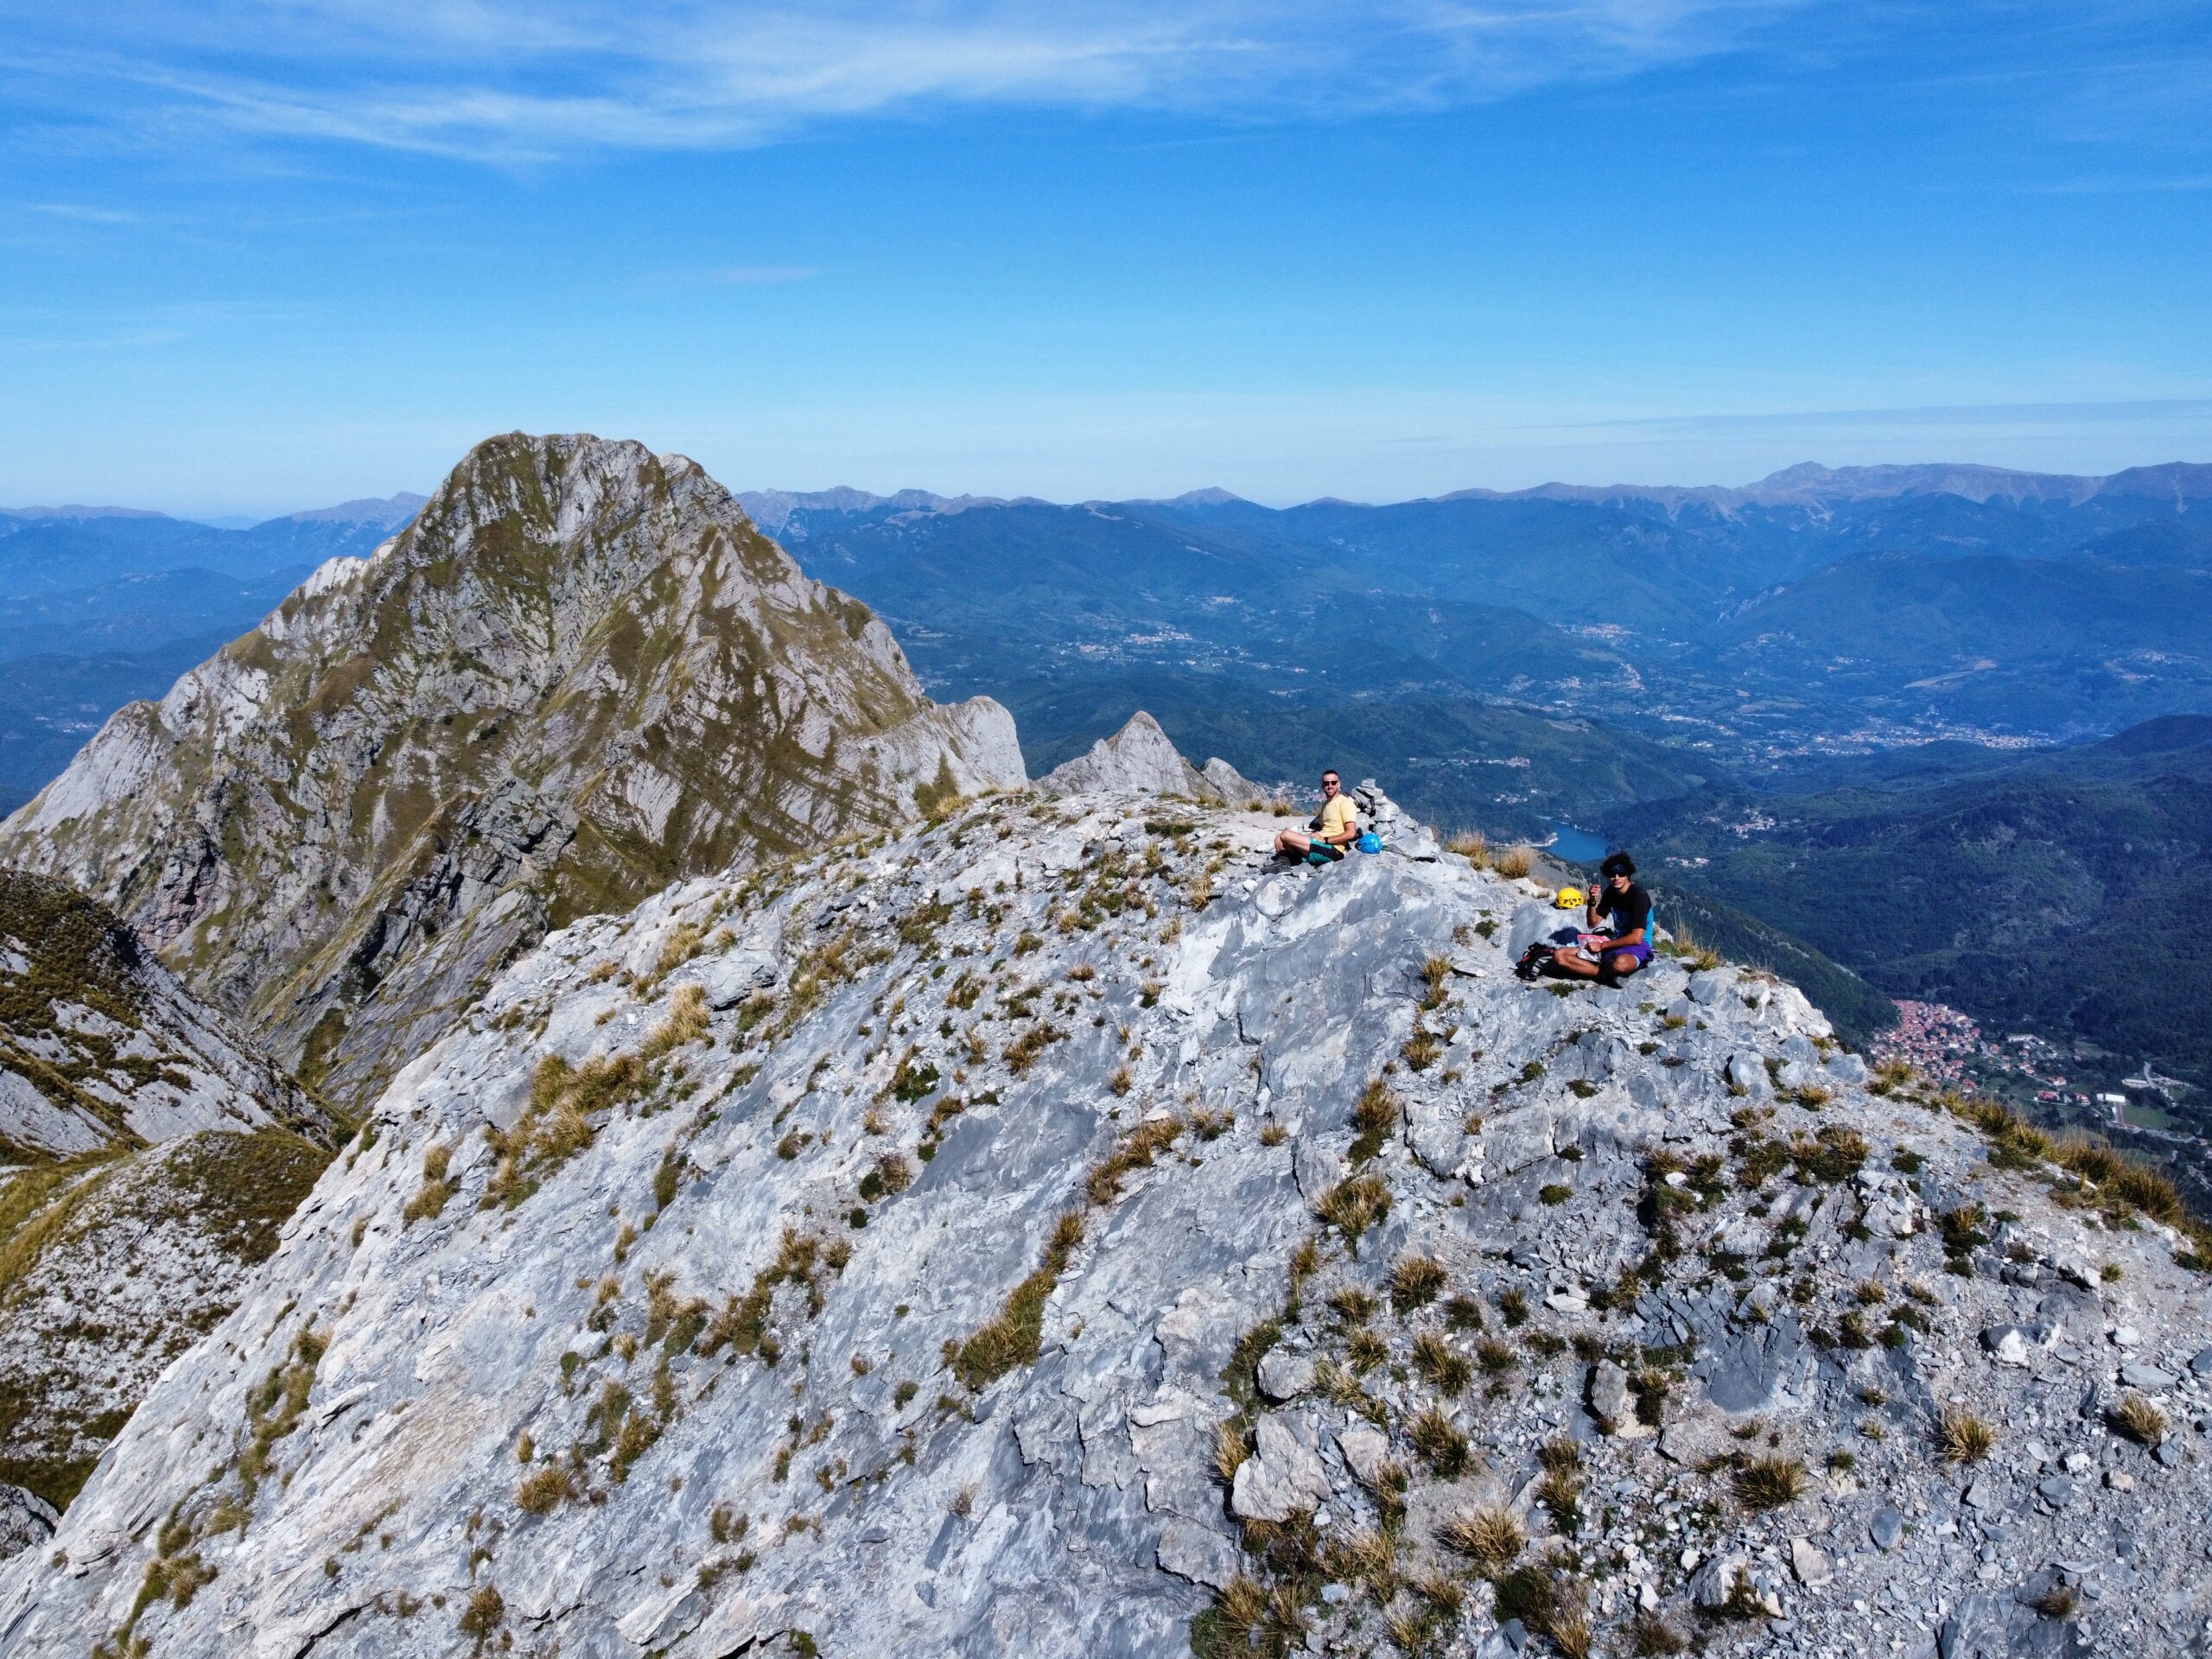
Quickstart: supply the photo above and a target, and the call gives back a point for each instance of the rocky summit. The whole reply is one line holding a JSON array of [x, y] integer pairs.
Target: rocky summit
[[1139, 761], [579, 673], [148, 1152], [1060, 1231]]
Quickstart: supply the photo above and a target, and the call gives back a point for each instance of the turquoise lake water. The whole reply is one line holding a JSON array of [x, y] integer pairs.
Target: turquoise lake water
[[1576, 846]]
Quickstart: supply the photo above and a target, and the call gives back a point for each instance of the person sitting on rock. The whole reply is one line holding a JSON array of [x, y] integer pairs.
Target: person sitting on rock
[[1332, 830], [1616, 952]]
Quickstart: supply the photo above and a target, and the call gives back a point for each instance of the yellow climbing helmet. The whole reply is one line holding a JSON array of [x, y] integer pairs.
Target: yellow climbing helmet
[[1568, 899]]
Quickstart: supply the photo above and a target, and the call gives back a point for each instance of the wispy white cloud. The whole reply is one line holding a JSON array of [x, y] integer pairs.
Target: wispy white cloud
[[1949, 414], [505, 80], [82, 212], [757, 275], [727, 277]]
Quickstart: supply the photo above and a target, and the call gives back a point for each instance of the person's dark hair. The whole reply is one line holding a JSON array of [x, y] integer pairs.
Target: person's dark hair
[[1617, 864], [1331, 772]]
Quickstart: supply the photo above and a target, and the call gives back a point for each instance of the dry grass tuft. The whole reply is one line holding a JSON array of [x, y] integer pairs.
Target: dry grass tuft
[[1369, 1558], [1473, 846], [1963, 1436], [1374, 1116], [1440, 1365], [1355, 1204], [1134, 1150], [1415, 1281], [1651, 1637], [1515, 861], [1490, 1536], [2138, 1418], [430, 1198], [1366, 1350], [1441, 1444], [1768, 1482], [686, 1023], [544, 1489], [1230, 1448], [1569, 1631]]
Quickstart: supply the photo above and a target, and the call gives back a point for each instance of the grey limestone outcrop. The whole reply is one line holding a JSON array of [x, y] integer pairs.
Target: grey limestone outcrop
[[1013, 1237], [1136, 764], [147, 1151]]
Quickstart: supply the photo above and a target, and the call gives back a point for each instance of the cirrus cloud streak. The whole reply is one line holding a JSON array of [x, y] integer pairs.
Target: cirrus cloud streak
[[498, 80]]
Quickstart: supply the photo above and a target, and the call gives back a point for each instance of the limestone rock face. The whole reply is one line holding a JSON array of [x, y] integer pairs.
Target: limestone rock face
[[25, 1519], [579, 673], [115, 1263], [877, 1254], [150, 1153], [1137, 763], [1232, 786], [101, 1050]]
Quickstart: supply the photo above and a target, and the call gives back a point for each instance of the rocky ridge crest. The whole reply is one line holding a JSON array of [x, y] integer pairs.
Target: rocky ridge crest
[[1139, 761], [579, 673], [101, 1049], [1060, 1233]]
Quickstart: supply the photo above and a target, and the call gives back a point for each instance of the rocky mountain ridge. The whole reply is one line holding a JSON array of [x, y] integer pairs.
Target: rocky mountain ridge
[[1057, 1231], [578, 674], [147, 1153], [100, 1048]]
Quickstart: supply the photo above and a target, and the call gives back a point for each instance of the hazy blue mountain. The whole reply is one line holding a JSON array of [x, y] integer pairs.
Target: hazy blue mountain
[[50, 705], [1818, 608], [2065, 647], [99, 606]]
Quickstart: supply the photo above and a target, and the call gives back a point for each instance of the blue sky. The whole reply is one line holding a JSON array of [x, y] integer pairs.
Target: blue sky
[[258, 256]]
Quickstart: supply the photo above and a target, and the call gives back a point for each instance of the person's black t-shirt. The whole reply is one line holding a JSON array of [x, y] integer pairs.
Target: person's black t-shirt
[[1627, 911]]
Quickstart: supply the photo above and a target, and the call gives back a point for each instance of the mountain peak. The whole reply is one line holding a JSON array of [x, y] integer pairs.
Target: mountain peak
[[578, 674], [1138, 763]]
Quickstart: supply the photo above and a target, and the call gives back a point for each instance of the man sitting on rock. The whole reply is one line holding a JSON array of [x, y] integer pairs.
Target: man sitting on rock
[[1612, 954], [1332, 831]]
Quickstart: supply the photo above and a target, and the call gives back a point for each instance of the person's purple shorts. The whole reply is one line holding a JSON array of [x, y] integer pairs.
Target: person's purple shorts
[[1641, 952]]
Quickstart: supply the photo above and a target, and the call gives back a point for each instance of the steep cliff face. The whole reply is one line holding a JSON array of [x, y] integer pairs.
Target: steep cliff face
[[150, 1152], [101, 1050], [578, 675], [1059, 1234]]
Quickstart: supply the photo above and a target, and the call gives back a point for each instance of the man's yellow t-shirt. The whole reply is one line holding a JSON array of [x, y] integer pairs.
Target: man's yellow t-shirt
[[1338, 816]]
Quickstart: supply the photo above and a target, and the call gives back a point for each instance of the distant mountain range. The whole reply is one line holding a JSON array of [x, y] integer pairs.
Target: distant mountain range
[[101, 605], [1819, 607], [1508, 660], [1807, 484]]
